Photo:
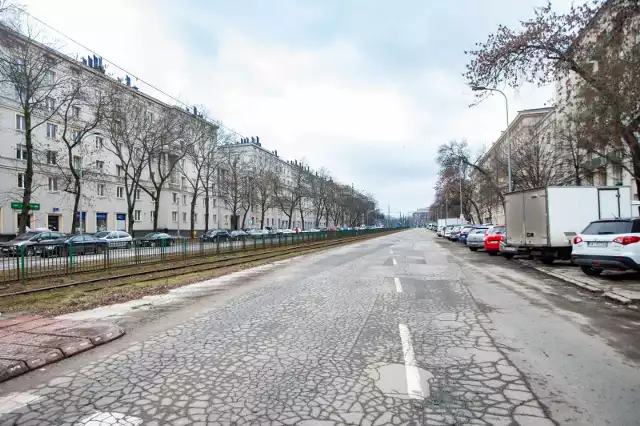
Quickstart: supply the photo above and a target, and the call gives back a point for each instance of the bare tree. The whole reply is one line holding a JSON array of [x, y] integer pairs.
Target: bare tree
[[130, 130], [318, 194], [81, 114], [592, 48], [264, 175], [288, 192], [165, 151], [201, 146], [231, 183], [31, 72]]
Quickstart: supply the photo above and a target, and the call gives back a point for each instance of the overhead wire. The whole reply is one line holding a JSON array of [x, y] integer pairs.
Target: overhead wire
[[219, 123]]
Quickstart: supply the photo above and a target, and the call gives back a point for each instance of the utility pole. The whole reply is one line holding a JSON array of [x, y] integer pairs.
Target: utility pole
[[388, 215], [460, 173], [446, 207], [80, 198]]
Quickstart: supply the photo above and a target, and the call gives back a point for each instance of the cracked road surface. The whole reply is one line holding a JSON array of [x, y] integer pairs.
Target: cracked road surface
[[396, 330]]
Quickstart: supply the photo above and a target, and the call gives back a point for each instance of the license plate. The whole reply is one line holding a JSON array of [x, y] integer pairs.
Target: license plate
[[512, 249], [597, 244]]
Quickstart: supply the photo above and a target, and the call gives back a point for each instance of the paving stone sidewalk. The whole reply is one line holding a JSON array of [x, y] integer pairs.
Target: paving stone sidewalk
[[31, 342], [622, 287]]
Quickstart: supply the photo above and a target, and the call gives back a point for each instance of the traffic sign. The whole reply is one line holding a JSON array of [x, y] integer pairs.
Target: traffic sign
[[18, 206]]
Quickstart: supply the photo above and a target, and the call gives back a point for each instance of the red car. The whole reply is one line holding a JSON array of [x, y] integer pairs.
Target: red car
[[332, 229], [492, 239]]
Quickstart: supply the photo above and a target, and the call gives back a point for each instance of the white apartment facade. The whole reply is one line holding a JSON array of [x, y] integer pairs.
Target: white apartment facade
[[103, 203]]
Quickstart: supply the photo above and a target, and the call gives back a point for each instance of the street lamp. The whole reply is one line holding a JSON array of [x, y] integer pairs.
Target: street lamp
[[506, 103]]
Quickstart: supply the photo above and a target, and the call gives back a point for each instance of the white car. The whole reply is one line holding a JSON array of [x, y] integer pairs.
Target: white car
[[258, 233], [608, 244], [447, 231], [115, 239]]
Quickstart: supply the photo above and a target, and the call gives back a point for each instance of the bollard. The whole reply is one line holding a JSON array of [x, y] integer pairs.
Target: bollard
[[22, 261]]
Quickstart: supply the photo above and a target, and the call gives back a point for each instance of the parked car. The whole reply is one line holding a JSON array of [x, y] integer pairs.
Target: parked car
[[238, 235], [455, 231], [475, 238], [333, 229], [608, 244], [492, 239], [447, 231], [156, 239], [76, 244], [440, 231], [288, 231], [259, 233], [462, 235], [215, 235], [115, 239], [29, 241]]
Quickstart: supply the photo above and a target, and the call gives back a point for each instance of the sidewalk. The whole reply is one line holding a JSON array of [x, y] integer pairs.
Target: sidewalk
[[31, 342], [617, 286]]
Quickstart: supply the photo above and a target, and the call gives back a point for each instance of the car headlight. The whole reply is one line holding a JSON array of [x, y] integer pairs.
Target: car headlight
[[50, 247]]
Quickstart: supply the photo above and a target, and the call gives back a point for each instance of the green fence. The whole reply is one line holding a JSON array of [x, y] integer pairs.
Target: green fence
[[39, 262]]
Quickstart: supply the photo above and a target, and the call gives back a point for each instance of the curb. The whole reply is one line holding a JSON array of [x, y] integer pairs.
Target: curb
[[617, 298], [580, 284]]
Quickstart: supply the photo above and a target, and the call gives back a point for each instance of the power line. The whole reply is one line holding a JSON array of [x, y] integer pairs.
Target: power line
[[118, 67]]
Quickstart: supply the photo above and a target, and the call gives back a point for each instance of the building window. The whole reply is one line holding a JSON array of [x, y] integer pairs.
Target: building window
[[136, 215], [20, 180], [226, 219], [76, 111], [50, 77], [101, 190], [120, 192], [617, 174], [53, 184], [119, 170], [20, 123], [149, 116], [99, 165], [184, 216], [184, 199], [174, 196], [184, 182], [138, 194], [602, 177], [50, 104], [75, 136], [21, 152], [195, 217], [174, 216], [214, 202], [99, 142], [21, 94], [77, 162], [52, 130], [52, 157], [215, 218]]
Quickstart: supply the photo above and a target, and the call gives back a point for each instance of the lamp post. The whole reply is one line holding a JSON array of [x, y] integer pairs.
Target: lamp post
[[506, 103]]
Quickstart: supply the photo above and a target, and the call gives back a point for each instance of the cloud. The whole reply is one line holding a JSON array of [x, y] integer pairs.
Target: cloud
[[366, 89]]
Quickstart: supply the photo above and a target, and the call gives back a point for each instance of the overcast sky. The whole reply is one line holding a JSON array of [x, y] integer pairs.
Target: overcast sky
[[366, 88]]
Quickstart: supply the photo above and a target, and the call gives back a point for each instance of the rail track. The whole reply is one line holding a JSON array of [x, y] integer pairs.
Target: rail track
[[204, 264]]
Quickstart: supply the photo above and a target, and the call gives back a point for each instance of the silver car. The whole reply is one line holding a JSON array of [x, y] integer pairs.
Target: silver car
[[475, 238], [115, 239]]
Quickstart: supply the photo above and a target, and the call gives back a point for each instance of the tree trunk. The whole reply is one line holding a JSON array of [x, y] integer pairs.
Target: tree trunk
[[262, 213], [301, 210], [244, 218], [194, 200], [130, 209], [206, 209], [76, 204], [156, 209], [28, 174]]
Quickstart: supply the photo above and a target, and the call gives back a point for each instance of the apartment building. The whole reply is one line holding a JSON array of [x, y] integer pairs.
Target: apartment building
[[105, 178]]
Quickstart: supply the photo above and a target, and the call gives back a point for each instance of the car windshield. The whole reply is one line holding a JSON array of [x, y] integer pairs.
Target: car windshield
[[497, 230], [27, 236], [478, 231], [101, 234], [151, 235], [609, 227]]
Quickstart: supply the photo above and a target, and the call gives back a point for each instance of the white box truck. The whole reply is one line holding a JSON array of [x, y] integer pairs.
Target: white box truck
[[449, 221], [543, 221]]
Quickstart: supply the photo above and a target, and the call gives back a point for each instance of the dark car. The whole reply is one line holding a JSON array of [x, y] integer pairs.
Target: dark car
[[77, 244], [156, 239], [464, 232], [238, 235], [29, 241], [216, 235]]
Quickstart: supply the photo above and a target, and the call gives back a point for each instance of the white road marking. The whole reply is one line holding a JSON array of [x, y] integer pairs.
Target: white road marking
[[109, 418], [398, 285], [414, 390], [394, 262], [16, 400]]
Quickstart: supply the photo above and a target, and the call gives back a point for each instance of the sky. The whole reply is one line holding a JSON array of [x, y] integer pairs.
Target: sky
[[367, 89]]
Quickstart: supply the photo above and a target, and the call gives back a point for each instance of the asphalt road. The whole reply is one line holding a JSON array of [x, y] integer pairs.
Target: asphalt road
[[401, 329]]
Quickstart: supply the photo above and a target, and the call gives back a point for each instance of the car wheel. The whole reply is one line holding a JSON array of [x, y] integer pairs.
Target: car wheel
[[152, 244], [99, 249], [547, 260], [473, 248], [128, 245], [492, 253], [508, 256], [29, 251], [591, 271]]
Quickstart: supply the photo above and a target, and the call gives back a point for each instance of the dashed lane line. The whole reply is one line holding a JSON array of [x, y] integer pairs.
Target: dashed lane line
[[414, 390], [398, 285]]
